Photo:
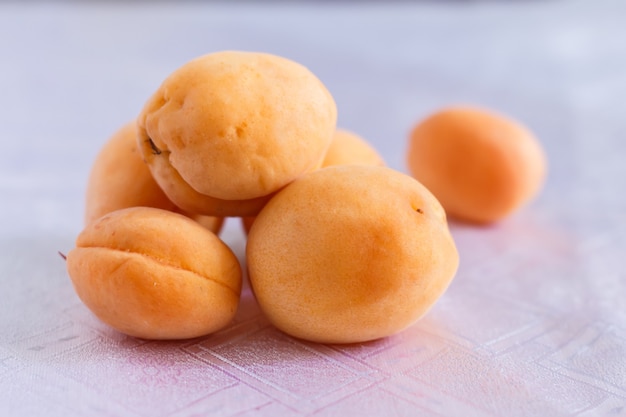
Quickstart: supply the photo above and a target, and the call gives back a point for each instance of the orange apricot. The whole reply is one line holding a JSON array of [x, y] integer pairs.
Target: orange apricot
[[349, 148], [350, 253], [227, 130], [155, 274], [120, 179], [480, 165]]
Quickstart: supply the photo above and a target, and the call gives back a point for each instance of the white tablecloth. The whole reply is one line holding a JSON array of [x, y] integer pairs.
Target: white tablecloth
[[534, 323]]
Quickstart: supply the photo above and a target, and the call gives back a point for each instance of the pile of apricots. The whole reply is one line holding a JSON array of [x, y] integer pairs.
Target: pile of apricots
[[340, 248]]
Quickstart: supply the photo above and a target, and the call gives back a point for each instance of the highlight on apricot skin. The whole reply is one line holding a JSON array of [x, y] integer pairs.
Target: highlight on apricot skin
[[227, 130], [349, 254], [155, 274], [480, 165], [346, 148], [120, 179]]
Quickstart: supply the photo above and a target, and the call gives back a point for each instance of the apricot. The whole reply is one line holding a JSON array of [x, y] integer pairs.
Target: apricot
[[227, 130], [349, 148], [480, 165], [350, 253], [120, 179], [155, 274], [346, 148]]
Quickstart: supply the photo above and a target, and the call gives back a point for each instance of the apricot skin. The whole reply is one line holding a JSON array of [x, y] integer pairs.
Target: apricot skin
[[349, 254], [227, 130], [155, 274], [482, 166], [349, 148], [120, 179]]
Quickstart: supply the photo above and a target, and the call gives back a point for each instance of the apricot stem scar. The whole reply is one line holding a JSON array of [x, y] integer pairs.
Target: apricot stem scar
[[419, 210], [155, 150]]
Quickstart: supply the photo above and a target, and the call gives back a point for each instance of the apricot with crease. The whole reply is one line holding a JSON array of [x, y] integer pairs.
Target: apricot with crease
[[227, 130], [155, 274]]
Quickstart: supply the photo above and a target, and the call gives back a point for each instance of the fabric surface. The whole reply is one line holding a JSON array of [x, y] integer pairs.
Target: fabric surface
[[534, 323]]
